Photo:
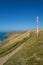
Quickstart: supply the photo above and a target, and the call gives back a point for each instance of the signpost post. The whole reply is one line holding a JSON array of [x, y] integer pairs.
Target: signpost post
[[37, 25]]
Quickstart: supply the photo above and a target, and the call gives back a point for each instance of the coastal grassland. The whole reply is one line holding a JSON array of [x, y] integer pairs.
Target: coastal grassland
[[10, 36], [31, 53], [13, 44]]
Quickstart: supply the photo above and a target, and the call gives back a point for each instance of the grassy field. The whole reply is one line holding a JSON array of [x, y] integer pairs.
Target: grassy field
[[31, 53], [13, 42]]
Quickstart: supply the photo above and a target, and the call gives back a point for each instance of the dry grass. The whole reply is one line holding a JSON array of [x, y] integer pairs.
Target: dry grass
[[31, 53], [12, 42]]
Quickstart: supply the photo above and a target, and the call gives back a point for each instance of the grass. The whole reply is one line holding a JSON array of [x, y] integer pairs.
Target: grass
[[31, 53], [10, 48], [8, 39]]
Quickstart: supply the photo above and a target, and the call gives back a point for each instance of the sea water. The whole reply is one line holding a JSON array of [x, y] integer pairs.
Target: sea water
[[2, 36]]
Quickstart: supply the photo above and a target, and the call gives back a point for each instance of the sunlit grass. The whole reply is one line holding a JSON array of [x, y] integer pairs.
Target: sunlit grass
[[7, 48], [31, 53]]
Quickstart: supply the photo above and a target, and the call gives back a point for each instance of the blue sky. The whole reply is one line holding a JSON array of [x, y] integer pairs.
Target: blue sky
[[20, 14]]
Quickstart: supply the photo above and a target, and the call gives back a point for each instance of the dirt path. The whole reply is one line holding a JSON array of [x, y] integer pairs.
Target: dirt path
[[6, 57]]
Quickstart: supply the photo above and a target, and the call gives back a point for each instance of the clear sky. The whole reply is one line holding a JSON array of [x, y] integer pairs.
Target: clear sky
[[20, 14]]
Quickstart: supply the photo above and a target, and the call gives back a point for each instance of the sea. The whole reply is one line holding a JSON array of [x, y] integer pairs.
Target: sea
[[2, 36]]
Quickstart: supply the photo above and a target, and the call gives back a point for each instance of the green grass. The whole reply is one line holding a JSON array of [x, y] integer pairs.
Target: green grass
[[32, 46]]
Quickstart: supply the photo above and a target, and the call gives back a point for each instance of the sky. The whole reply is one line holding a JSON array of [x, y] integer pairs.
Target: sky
[[18, 15]]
